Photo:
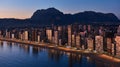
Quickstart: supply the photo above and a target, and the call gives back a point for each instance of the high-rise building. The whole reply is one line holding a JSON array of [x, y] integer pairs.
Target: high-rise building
[[49, 34], [82, 38], [78, 41], [19, 35], [69, 35], [53, 38], [73, 40], [89, 28], [7, 34], [59, 28], [99, 43], [117, 39], [34, 35], [101, 32], [60, 31], [56, 37], [60, 35], [26, 35], [84, 27], [109, 45], [22, 36], [1, 35], [39, 38], [79, 27], [60, 42], [13, 36], [90, 43], [113, 49]]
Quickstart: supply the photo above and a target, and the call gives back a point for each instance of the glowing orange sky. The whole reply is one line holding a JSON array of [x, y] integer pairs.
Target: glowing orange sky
[[25, 8], [22, 14], [15, 14]]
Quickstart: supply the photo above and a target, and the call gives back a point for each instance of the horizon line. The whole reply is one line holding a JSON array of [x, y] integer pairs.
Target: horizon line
[[72, 13]]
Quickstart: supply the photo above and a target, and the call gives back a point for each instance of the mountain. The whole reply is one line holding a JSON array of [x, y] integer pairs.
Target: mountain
[[91, 16], [47, 16], [11, 22], [54, 16]]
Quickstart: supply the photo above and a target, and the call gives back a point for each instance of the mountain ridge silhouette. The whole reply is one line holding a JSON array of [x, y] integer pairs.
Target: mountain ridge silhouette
[[55, 16]]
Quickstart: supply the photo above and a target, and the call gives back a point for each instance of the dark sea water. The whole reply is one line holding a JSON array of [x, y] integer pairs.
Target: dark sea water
[[21, 55]]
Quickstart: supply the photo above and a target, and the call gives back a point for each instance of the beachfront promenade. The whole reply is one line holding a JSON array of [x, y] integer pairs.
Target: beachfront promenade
[[100, 57]]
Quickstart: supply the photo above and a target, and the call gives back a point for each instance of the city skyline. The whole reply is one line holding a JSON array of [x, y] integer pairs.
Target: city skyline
[[59, 33], [24, 9]]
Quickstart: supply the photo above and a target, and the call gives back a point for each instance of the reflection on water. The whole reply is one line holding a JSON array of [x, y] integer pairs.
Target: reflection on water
[[1, 44], [35, 50], [21, 55], [55, 54]]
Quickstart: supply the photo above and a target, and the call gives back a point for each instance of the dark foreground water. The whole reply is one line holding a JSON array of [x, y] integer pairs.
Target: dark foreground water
[[21, 55]]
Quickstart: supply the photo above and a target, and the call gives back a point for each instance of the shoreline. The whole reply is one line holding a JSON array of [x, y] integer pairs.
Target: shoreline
[[102, 57]]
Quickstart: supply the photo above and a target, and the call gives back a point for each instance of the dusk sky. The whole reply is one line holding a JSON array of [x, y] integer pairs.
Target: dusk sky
[[25, 8]]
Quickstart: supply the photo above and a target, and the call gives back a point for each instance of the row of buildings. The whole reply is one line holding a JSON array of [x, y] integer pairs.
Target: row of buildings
[[102, 39]]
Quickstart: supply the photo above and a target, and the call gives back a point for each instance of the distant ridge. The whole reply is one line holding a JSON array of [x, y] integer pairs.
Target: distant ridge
[[54, 16]]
